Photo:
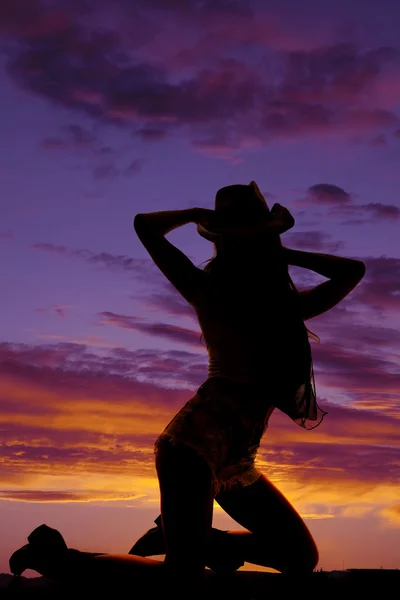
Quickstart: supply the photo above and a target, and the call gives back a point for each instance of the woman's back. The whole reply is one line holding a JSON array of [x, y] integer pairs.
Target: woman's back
[[252, 330]]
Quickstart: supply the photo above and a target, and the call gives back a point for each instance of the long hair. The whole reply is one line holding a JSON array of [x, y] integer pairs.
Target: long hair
[[217, 265]]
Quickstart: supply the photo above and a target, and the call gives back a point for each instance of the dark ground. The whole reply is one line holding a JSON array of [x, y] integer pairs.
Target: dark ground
[[243, 585]]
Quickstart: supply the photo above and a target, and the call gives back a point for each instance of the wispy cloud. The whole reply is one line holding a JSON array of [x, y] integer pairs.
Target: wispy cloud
[[341, 203], [59, 311], [50, 496], [173, 333], [107, 171], [105, 259], [381, 288], [168, 302], [75, 138], [313, 240], [133, 168]]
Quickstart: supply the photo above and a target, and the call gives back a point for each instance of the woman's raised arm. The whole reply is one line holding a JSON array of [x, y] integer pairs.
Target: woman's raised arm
[[165, 221], [325, 264]]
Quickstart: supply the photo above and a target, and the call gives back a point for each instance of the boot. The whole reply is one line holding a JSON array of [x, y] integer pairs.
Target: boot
[[44, 553], [220, 557]]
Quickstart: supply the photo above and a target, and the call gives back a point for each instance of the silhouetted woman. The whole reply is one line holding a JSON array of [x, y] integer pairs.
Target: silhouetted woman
[[252, 319]]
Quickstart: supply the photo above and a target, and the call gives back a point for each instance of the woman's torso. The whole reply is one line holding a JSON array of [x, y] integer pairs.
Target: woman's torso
[[252, 332]]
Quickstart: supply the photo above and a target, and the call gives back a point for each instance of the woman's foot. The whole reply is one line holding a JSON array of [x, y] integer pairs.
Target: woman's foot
[[47, 536], [44, 553], [221, 558], [150, 544]]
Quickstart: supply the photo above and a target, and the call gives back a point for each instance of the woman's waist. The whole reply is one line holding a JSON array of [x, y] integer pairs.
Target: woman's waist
[[258, 370]]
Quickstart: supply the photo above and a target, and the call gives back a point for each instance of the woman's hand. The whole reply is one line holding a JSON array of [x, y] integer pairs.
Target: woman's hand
[[204, 216]]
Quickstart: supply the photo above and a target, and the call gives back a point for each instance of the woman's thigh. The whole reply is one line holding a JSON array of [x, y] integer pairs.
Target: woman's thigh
[[263, 510], [260, 507]]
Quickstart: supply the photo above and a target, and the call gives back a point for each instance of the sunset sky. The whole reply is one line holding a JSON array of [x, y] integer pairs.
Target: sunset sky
[[114, 107]]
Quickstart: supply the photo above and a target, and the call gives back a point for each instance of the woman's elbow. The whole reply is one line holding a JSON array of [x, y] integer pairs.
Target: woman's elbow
[[357, 270], [138, 220], [361, 268]]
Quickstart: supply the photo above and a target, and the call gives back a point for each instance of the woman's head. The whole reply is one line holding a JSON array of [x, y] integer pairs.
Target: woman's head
[[240, 256], [252, 248], [261, 260], [239, 205]]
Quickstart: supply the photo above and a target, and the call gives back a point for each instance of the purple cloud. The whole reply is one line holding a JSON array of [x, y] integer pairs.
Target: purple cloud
[[317, 241], [58, 310], [110, 261], [341, 203], [115, 78], [150, 135], [133, 168], [165, 330], [59, 366], [381, 287], [379, 140], [108, 171], [76, 138], [169, 302], [327, 193], [382, 211], [357, 214]]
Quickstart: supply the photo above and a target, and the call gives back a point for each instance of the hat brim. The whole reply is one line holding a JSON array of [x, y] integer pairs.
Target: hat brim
[[215, 236]]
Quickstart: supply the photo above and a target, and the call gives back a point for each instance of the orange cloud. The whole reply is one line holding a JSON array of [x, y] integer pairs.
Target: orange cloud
[[75, 431]]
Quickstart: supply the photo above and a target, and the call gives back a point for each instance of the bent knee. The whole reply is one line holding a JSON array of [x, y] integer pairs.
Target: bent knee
[[303, 561], [291, 555]]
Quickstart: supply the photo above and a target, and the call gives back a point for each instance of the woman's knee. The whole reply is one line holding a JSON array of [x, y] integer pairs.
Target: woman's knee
[[289, 553], [302, 558]]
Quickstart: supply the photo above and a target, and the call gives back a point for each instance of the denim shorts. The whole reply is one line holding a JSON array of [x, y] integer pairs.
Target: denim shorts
[[224, 422]]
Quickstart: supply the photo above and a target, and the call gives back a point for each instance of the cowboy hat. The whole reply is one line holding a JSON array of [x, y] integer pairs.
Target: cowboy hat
[[237, 207]]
